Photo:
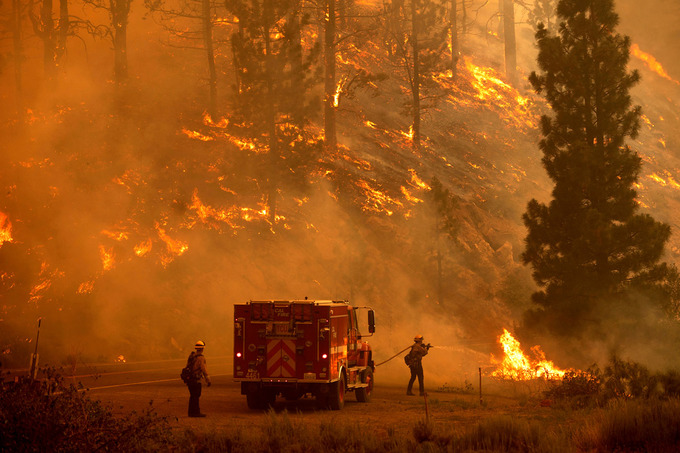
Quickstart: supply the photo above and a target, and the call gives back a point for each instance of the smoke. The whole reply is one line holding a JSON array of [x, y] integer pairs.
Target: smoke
[[106, 169]]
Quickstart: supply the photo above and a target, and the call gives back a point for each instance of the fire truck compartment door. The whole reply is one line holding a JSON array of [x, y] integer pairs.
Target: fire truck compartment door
[[280, 358]]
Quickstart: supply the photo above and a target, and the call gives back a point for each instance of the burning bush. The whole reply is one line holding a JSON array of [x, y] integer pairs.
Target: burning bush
[[51, 416]]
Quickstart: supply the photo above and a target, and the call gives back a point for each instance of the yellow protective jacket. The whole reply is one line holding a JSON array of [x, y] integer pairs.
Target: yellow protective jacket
[[199, 370]]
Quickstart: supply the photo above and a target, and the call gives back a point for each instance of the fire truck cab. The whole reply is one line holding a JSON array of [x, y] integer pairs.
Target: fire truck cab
[[305, 347]]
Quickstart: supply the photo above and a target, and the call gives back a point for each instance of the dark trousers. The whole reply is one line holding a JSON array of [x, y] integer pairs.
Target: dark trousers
[[417, 371], [194, 395]]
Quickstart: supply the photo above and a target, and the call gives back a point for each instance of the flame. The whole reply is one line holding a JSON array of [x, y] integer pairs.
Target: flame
[[143, 248], [197, 135], [120, 359], [416, 181], [338, 90], [209, 215], [651, 62], [107, 256], [517, 366], [376, 200], [5, 229], [86, 287], [174, 247]]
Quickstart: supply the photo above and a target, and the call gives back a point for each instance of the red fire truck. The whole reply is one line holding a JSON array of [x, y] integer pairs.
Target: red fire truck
[[305, 347]]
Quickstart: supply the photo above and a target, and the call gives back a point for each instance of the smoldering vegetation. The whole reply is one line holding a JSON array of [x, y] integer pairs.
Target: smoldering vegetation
[[136, 223]]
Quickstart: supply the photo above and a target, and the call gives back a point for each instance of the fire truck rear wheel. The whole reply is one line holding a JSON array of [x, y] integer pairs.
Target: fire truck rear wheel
[[364, 393], [337, 394]]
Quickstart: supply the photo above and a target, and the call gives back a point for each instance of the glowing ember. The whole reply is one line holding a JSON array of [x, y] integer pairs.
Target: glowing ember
[[120, 359], [174, 247], [416, 181], [143, 248], [377, 201], [107, 256], [651, 62], [5, 229], [197, 135], [86, 287], [516, 366]]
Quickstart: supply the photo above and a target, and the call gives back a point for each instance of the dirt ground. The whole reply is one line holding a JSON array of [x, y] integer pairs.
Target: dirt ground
[[390, 409]]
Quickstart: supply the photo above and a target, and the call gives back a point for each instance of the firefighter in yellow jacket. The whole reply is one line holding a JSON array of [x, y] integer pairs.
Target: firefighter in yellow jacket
[[196, 363], [418, 351]]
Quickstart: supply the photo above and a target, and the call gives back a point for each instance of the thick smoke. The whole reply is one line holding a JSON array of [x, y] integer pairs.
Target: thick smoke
[[98, 161]]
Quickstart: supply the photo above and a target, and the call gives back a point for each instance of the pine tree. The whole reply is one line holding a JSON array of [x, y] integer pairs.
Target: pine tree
[[593, 254]]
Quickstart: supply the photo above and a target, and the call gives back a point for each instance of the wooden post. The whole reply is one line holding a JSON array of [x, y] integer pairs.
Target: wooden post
[[427, 411], [480, 385]]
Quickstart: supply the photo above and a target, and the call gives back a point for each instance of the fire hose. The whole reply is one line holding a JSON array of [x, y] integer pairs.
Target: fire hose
[[400, 352]]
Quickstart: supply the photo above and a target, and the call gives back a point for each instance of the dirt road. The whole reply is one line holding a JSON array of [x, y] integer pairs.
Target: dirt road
[[389, 409]]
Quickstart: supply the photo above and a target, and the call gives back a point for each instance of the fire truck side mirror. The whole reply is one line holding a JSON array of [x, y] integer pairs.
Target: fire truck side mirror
[[371, 321]]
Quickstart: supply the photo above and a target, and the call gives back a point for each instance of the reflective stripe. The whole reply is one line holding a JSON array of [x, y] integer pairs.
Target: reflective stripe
[[281, 358]]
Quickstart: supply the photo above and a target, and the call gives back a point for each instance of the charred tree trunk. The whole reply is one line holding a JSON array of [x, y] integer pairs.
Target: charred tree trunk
[[206, 12], [296, 66], [120, 12], [510, 42], [43, 26], [270, 110], [18, 46], [415, 79], [63, 31], [329, 86], [454, 39]]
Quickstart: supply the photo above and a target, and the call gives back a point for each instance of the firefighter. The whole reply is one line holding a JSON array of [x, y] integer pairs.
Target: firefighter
[[418, 351], [196, 363]]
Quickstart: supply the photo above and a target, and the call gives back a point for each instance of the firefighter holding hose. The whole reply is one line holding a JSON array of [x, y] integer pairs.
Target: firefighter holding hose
[[415, 358]]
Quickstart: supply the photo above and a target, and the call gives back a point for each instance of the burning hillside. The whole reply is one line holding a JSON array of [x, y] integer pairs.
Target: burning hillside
[[142, 225]]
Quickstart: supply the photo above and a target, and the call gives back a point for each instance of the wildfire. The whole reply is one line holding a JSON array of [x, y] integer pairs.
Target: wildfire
[[376, 200], [86, 287], [517, 366], [107, 256], [416, 181], [143, 248], [651, 62], [174, 247], [5, 229]]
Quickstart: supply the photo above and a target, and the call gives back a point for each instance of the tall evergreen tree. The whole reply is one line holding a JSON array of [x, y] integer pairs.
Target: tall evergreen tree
[[593, 254]]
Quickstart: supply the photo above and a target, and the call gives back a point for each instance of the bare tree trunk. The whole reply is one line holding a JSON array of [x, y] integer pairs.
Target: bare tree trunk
[[463, 18], [510, 43], [270, 110], [120, 11], [210, 54], [501, 33], [44, 29], [415, 83], [454, 39], [297, 71], [18, 54], [329, 86], [63, 31]]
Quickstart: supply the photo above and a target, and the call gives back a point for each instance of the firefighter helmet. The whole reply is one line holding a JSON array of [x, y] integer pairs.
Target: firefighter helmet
[[200, 344], [418, 338]]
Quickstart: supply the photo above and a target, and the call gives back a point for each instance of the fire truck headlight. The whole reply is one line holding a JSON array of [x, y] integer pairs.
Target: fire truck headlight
[[238, 354], [324, 356]]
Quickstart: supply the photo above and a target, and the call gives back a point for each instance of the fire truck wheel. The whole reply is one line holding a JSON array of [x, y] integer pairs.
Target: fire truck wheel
[[364, 393], [260, 400], [254, 400], [337, 394]]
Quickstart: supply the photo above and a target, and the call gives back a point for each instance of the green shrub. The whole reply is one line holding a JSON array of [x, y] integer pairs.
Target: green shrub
[[50, 416]]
